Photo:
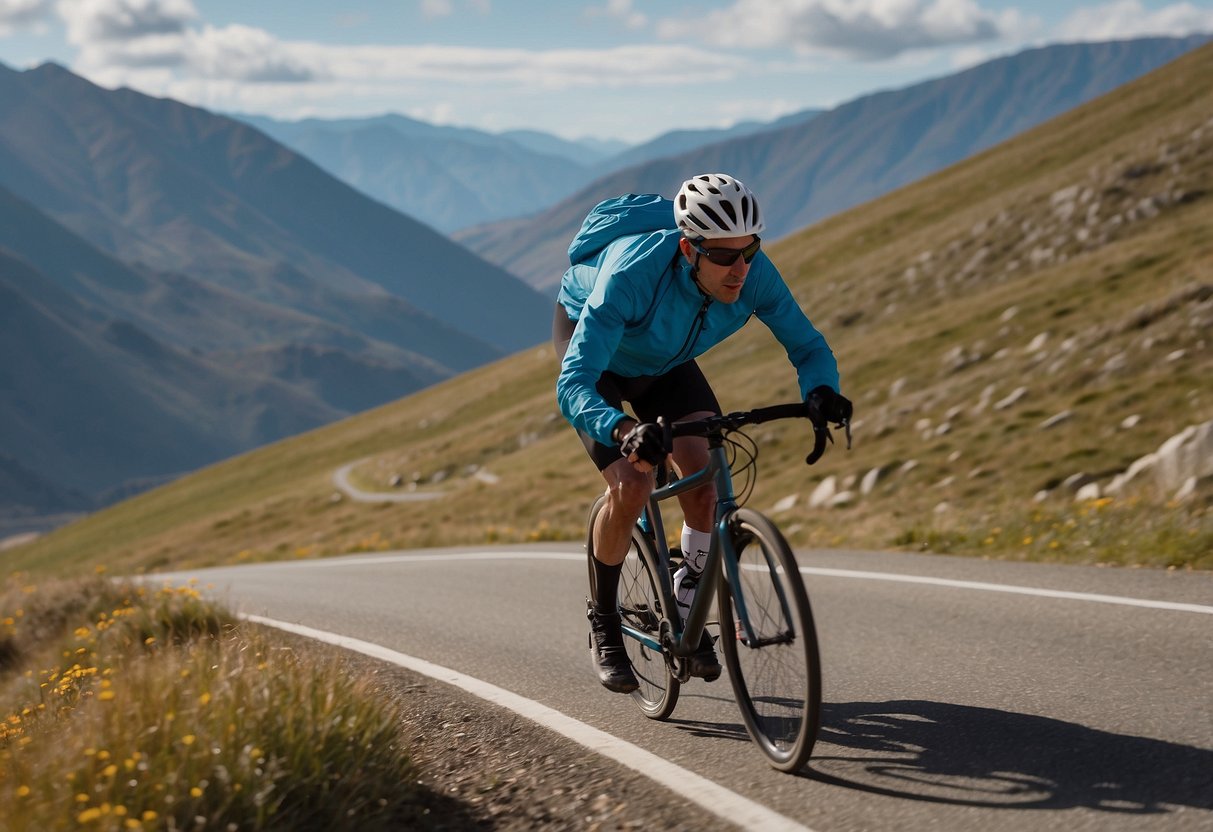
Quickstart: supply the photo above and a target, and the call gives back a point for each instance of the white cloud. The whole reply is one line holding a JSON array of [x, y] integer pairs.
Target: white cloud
[[865, 29], [621, 10], [22, 14], [1129, 19], [90, 22]]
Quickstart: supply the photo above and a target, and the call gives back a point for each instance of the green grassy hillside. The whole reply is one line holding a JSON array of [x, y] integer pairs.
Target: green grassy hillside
[[1075, 262]]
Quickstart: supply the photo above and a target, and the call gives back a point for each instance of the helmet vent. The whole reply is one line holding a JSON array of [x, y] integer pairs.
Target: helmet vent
[[714, 217]]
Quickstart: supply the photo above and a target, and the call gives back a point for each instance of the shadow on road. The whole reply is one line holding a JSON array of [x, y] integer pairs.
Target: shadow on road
[[983, 757]]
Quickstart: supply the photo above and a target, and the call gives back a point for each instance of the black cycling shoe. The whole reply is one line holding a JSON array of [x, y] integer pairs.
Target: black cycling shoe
[[607, 653], [703, 661]]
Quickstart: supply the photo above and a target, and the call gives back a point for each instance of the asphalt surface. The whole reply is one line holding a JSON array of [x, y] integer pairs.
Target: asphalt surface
[[946, 706]]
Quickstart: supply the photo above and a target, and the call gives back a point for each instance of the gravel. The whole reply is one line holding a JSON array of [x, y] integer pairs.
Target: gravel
[[483, 767]]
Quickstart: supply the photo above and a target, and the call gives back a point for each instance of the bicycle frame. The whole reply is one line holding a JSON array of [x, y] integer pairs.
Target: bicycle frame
[[685, 641]]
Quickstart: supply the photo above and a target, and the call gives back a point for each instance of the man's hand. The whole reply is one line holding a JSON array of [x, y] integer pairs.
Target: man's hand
[[827, 406], [643, 446]]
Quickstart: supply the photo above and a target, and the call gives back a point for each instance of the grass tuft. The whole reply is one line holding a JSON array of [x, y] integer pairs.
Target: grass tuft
[[129, 707]]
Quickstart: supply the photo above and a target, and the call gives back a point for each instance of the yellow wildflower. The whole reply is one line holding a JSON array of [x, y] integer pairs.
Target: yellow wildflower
[[23, 791], [188, 739], [195, 792], [88, 815]]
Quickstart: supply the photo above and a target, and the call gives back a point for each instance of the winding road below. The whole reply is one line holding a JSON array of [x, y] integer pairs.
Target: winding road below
[[959, 694]]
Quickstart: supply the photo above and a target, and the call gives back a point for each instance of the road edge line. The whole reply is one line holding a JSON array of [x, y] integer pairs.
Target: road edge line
[[713, 797]]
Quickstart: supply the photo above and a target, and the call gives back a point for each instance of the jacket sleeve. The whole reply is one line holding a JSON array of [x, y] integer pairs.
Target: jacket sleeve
[[597, 336], [806, 347]]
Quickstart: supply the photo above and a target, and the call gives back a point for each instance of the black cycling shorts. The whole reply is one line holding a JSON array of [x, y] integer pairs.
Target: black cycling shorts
[[675, 394]]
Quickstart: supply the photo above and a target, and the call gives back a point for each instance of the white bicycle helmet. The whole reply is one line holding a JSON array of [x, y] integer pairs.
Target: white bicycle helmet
[[715, 205]]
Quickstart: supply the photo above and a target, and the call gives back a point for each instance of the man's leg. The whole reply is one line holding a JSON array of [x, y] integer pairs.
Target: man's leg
[[699, 515], [627, 491]]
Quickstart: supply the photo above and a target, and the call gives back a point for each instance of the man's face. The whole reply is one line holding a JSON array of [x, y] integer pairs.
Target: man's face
[[722, 283]]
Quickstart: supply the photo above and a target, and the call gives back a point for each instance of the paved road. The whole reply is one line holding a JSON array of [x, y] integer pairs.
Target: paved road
[[949, 704]]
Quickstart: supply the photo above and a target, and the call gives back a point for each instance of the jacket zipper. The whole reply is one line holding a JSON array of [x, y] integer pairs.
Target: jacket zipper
[[692, 338]]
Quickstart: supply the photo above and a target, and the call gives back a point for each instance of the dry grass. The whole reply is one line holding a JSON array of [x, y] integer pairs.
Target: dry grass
[[127, 707]]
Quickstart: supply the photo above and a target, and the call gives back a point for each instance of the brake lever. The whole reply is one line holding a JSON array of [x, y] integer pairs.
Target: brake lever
[[822, 436]]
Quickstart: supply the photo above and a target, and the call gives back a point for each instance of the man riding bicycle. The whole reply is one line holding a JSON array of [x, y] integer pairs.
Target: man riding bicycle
[[653, 285]]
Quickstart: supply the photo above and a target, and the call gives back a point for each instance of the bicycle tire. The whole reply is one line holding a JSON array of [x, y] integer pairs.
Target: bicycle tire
[[639, 599], [776, 682]]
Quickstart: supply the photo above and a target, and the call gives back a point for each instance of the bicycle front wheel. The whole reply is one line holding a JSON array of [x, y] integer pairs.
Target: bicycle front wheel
[[639, 599], [776, 674]]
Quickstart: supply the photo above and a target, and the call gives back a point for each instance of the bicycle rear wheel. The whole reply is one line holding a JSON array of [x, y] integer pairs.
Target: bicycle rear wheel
[[776, 677], [639, 599]]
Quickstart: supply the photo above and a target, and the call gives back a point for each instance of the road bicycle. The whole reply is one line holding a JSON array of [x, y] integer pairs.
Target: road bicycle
[[767, 634]]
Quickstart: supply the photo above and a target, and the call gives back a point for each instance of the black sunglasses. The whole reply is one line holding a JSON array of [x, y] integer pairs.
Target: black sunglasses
[[728, 256]]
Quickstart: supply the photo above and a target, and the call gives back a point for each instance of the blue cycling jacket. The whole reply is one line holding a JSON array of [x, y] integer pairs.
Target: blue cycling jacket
[[639, 312]]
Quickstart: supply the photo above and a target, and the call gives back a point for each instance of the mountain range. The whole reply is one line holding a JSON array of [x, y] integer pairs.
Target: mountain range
[[810, 170], [457, 177], [178, 287]]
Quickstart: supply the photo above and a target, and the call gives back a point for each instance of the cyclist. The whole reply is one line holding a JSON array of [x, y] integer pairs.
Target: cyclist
[[653, 284]]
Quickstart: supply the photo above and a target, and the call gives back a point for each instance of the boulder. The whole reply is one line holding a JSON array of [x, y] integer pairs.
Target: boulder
[[824, 492]]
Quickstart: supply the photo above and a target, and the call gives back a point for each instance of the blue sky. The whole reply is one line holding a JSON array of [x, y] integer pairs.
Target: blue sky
[[626, 69]]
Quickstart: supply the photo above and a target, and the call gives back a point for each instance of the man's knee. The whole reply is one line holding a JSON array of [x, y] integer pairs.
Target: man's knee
[[630, 490]]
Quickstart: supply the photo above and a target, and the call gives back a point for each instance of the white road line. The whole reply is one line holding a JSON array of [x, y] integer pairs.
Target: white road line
[[718, 800], [404, 557], [1018, 590]]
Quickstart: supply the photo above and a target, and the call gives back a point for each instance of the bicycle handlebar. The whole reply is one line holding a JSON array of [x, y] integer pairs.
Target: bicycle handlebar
[[718, 425]]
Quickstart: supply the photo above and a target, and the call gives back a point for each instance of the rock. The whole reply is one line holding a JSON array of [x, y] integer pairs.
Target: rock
[[1139, 467], [1186, 490], [1038, 343], [786, 503], [1011, 399], [896, 387], [1076, 481], [942, 508], [841, 499], [824, 492], [1040, 496], [1090, 491], [908, 466], [486, 477], [395, 480], [1176, 355], [871, 479], [1130, 422], [1057, 419], [1188, 453], [1009, 313]]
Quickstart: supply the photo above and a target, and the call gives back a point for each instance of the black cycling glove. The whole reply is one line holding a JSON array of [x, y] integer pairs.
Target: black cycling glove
[[645, 440], [827, 406]]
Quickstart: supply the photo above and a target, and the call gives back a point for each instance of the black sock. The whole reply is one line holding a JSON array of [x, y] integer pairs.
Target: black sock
[[606, 585]]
